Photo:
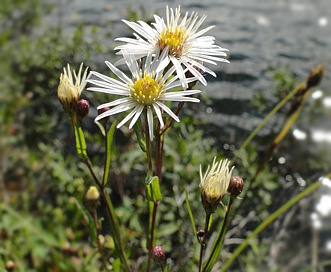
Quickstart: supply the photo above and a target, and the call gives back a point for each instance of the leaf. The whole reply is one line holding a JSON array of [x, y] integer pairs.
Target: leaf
[[140, 135], [89, 220], [117, 265], [153, 191], [109, 141], [80, 142], [190, 212], [268, 220]]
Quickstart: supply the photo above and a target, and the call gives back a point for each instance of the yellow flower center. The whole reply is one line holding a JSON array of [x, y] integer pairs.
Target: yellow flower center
[[174, 40], [146, 90]]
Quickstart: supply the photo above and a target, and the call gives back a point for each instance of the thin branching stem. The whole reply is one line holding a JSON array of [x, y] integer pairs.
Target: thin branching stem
[[148, 150], [203, 240], [151, 240], [112, 216], [159, 153], [171, 120], [96, 225], [217, 246]]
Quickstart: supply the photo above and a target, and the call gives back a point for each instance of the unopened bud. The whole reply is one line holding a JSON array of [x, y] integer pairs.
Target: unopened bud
[[201, 235], [92, 198], [236, 186], [92, 193], [10, 266], [316, 76], [82, 108], [201, 232], [70, 87], [158, 254], [103, 121], [214, 184]]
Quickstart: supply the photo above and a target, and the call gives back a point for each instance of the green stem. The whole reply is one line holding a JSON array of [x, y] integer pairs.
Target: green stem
[[267, 221], [81, 150], [115, 228], [152, 217], [112, 216], [148, 150], [151, 240], [159, 153], [202, 242], [263, 122], [170, 121], [95, 221], [219, 241]]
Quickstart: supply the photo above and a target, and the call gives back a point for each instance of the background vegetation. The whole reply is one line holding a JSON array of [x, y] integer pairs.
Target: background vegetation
[[42, 181]]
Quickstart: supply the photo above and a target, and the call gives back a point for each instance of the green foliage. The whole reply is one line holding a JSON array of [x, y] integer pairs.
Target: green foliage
[[283, 81], [44, 224]]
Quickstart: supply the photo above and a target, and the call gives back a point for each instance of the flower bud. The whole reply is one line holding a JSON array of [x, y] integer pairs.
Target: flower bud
[[158, 254], [70, 87], [214, 184], [201, 235], [236, 186], [92, 198], [10, 266], [82, 108], [316, 76], [103, 121], [92, 193]]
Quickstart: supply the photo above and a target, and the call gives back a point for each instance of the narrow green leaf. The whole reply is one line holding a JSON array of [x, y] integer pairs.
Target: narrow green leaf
[[80, 142], [109, 142], [115, 231], [117, 265], [218, 242], [156, 191], [153, 191], [269, 220], [140, 135], [190, 213], [89, 220], [312, 80], [166, 269], [149, 194], [102, 128]]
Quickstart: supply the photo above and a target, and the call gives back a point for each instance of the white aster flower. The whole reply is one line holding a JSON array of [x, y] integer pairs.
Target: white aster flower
[[71, 85], [147, 90], [214, 183], [187, 47]]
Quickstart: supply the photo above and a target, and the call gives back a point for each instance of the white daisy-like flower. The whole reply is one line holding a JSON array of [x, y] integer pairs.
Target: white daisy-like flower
[[214, 183], [148, 89], [71, 85], [188, 48]]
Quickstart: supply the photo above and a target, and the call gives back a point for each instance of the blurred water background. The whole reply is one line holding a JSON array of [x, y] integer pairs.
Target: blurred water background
[[261, 36]]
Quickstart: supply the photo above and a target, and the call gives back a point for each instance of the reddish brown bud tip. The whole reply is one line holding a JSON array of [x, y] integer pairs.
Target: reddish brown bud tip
[[316, 76], [236, 186], [82, 108], [201, 233], [10, 266], [103, 121], [158, 254]]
